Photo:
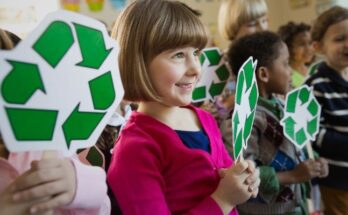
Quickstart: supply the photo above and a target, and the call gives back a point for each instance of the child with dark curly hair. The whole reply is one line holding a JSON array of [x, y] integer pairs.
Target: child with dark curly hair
[[297, 37]]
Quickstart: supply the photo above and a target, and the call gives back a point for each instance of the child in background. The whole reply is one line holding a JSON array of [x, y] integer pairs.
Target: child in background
[[281, 170], [30, 184], [298, 39], [330, 83], [236, 19], [169, 158]]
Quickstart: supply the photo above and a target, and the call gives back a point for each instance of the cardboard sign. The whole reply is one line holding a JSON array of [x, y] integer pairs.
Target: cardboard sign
[[59, 86], [247, 95]]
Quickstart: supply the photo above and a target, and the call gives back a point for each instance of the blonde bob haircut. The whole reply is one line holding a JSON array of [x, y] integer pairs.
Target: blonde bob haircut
[[145, 29], [235, 13]]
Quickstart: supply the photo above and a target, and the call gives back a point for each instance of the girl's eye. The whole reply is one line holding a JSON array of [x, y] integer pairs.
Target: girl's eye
[[251, 24], [179, 55], [197, 52], [339, 39]]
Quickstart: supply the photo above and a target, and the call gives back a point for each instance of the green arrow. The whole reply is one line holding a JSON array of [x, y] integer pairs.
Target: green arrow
[[102, 91], [21, 83], [32, 124], [202, 58], [80, 125], [312, 126], [304, 95], [291, 102], [54, 43], [248, 126], [301, 137], [235, 125], [290, 127], [213, 56], [94, 157], [254, 94], [239, 91], [238, 144], [223, 73], [92, 46], [216, 88], [313, 107], [248, 71], [199, 93]]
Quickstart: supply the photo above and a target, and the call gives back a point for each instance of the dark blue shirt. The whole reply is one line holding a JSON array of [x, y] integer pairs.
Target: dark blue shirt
[[195, 139]]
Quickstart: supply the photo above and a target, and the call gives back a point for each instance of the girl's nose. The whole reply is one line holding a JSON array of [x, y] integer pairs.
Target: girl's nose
[[194, 67]]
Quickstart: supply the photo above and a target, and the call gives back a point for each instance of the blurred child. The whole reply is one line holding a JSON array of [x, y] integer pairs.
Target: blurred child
[[30, 184], [297, 37], [330, 37], [236, 18], [169, 158], [281, 170]]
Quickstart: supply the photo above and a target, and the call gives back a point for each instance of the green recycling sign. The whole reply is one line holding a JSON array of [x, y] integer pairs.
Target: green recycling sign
[[301, 116], [214, 75], [59, 86], [246, 98]]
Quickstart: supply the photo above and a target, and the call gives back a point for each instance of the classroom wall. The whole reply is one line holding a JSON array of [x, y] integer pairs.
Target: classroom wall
[[280, 12]]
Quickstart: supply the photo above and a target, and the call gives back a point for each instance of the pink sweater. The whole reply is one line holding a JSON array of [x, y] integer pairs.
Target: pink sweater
[[91, 193], [153, 172]]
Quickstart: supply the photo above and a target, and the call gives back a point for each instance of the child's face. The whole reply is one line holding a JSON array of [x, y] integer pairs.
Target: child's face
[[279, 73], [174, 74], [334, 45], [302, 48], [259, 24]]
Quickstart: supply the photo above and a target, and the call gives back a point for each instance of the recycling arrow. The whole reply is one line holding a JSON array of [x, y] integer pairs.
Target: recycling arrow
[[80, 125], [102, 91], [25, 75], [213, 56], [59, 37], [32, 124], [92, 46], [290, 127]]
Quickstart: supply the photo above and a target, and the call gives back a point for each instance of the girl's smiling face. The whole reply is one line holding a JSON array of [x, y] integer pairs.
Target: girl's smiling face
[[174, 74]]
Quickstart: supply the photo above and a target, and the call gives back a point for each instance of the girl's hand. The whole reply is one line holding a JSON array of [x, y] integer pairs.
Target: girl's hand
[[233, 189], [324, 167], [253, 181], [8, 206], [52, 180]]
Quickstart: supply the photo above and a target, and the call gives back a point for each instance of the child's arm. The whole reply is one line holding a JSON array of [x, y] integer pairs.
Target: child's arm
[[303, 172], [61, 182]]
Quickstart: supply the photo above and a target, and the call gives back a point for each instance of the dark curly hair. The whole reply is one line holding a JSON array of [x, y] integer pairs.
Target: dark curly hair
[[289, 31], [326, 19], [263, 46]]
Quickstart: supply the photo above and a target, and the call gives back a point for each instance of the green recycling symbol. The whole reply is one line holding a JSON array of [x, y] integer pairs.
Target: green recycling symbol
[[214, 75], [246, 98], [59, 86], [301, 116]]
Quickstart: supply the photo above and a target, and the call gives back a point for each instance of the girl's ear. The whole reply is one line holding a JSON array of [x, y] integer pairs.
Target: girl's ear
[[262, 74]]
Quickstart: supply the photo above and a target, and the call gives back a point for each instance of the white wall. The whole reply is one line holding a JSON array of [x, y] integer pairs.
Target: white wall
[[21, 16]]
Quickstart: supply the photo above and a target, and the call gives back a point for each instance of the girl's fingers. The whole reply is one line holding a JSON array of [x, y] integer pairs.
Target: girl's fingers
[[58, 201], [35, 178], [40, 191]]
